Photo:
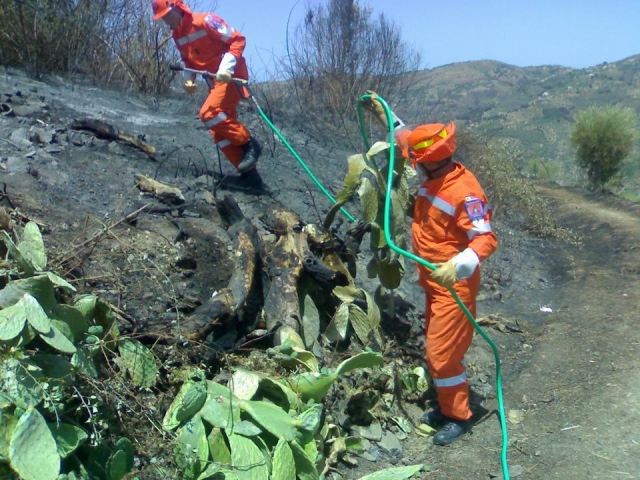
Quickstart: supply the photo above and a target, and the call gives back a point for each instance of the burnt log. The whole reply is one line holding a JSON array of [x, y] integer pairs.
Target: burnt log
[[106, 131], [239, 304], [290, 259]]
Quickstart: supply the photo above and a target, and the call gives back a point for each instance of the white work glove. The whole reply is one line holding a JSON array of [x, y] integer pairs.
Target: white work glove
[[224, 77], [190, 87]]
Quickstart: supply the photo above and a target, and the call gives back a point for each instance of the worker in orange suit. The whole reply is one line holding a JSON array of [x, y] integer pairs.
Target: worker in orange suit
[[206, 42], [452, 230]]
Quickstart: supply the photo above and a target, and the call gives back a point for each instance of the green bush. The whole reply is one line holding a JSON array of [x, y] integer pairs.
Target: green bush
[[603, 138]]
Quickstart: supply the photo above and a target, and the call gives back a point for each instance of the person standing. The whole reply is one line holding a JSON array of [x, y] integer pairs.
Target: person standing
[[451, 229], [206, 42]]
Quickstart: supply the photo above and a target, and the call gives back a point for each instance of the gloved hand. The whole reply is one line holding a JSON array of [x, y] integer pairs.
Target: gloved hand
[[374, 106], [224, 77], [190, 87], [445, 274]]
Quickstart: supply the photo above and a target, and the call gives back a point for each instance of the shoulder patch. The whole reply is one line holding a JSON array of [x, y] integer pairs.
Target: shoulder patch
[[214, 22], [474, 207]]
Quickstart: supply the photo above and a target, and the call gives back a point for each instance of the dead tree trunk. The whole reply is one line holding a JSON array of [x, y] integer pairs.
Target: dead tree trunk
[[240, 302], [264, 281], [288, 261]]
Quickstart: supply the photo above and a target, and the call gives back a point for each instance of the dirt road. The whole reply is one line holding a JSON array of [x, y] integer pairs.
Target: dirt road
[[580, 389]]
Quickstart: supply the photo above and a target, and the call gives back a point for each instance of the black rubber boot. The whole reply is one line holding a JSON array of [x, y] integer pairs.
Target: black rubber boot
[[252, 180], [451, 431], [434, 418], [250, 153]]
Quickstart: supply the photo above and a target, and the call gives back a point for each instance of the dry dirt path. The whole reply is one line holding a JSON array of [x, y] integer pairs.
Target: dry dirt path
[[580, 388]]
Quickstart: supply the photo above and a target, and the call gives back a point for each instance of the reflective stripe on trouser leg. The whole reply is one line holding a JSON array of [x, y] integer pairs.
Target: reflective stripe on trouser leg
[[231, 151], [219, 114], [448, 337]]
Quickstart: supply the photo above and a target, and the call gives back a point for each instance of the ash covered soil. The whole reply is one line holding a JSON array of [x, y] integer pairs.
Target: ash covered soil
[[564, 317]]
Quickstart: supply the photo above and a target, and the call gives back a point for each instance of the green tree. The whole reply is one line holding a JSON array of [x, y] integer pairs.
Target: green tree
[[603, 138]]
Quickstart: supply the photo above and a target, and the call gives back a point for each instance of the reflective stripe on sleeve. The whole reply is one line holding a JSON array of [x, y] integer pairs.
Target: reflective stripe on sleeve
[[451, 381], [437, 202], [227, 35], [221, 117], [223, 143], [478, 229], [191, 38]]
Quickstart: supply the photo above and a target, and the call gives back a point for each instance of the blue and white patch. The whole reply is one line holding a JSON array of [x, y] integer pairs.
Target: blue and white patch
[[214, 22], [475, 208]]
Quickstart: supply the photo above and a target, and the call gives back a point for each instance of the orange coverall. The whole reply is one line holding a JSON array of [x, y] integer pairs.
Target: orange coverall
[[203, 39], [451, 215]]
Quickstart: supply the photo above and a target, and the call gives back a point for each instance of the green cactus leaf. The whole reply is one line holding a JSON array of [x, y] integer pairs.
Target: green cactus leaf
[[310, 322], [271, 417], [305, 466], [39, 286], [68, 437], [360, 322], [218, 447], [311, 419], [390, 273], [126, 446], [20, 380], [373, 312], [395, 473], [284, 466], [76, 322], [16, 254], [372, 268], [33, 451], [36, 316], [221, 408], [280, 393], [53, 367], [86, 304], [7, 426], [362, 360], [84, 363], [377, 240], [244, 384], [248, 461], [246, 429], [12, 320], [116, 465], [60, 282], [139, 362], [377, 148], [58, 340], [32, 246], [189, 400], [337, 328], [369, 200], [192, 450], [312, 385]]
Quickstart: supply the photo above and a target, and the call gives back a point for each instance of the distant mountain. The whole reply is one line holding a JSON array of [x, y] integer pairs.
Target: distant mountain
[[533, 105]]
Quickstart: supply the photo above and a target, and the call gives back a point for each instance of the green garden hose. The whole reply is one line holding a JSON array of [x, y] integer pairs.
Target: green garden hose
[[395, 248]]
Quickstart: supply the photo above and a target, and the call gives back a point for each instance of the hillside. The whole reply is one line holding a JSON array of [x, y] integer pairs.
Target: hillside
[[534, 106], [563, 317]]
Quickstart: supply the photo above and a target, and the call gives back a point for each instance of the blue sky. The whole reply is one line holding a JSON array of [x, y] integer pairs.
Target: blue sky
[[571, 33]]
